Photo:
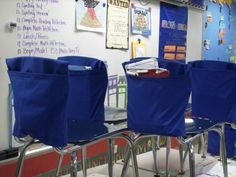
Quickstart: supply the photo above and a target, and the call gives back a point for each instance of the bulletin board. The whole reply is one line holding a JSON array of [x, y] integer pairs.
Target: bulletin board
[[219, 32], [173, 32]]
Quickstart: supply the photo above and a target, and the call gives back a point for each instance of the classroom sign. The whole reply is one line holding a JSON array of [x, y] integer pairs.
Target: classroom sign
[[173, 32], [117, 36]]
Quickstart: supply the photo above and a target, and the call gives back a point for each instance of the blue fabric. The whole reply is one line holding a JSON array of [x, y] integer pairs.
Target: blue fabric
[[213, 90], [171, 19], [157, 105], [214, 142], [40, 88], [79, 130], [42, 65], [87, 91]]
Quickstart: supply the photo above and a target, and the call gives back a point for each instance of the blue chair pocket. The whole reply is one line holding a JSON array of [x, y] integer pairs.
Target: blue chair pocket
[[40, 104], [213, 90], [157, 105]]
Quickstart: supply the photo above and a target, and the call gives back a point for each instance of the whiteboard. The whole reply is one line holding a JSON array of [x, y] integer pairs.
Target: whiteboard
[[48, 29]]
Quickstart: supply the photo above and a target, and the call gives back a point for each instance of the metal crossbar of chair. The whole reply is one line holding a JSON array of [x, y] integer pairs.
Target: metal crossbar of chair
[[109, 137]]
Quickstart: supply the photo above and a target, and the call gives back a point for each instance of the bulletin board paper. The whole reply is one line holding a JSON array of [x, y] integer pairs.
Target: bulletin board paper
[[219, 34], [173, 32]]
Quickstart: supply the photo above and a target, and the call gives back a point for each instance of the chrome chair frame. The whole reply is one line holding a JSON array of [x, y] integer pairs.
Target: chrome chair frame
[[27, 142], [72, 150], [182, 141], [155, 139], [217, 128]]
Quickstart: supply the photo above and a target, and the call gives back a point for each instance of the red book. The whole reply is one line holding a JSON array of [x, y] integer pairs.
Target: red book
[[155, 73]]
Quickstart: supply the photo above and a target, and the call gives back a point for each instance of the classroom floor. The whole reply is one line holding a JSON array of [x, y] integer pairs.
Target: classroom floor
[[209, 166]]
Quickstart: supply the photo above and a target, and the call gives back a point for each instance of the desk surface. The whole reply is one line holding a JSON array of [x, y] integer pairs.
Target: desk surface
[[114, 115]]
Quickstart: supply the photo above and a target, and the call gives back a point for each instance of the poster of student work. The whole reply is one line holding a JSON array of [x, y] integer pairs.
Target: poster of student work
[[117, 36], [173, 32], [140, 20], [91, 15]]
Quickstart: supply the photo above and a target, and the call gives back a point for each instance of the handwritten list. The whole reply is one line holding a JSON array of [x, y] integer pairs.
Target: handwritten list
[[40, 31]]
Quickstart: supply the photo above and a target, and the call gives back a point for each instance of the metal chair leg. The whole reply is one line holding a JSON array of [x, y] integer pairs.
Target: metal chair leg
[[199, 151], [110, 157], [59, 162], [73, 164], [222, 150], [21, 158], [203, 142], [181, 158], [154, 141], [158, 143], [222, 128], [185, 155], [84, 161], [126, 162], [133, 151], [126, 158], [130, 153], [168, 146], [224, 155], [191, 159]]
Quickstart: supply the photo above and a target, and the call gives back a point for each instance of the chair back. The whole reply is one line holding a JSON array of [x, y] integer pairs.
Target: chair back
[[157, 105], [213, 143], [40, 88], [121, 90], [214, 90], [88, 84], [111, 88]]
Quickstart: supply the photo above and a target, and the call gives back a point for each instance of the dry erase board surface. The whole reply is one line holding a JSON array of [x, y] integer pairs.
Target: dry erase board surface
[[47, 28]]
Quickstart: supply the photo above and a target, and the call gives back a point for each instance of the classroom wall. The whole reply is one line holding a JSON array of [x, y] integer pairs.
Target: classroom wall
[[86, 43]]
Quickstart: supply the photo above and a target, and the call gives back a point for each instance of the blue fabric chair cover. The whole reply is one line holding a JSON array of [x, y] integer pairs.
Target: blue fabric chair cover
[[86, 93], [157, 105], [214, 142], [213, 90], [80, 131], [40, 88]]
